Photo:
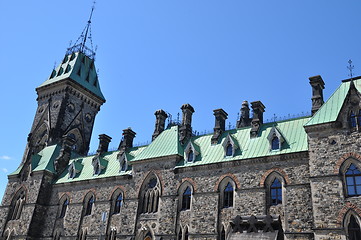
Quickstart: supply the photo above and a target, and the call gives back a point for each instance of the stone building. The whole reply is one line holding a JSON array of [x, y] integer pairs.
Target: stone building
[[293, 179]]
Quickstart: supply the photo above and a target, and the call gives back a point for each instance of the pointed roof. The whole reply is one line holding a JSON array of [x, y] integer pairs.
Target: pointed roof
[[332, 107], [79, 68]]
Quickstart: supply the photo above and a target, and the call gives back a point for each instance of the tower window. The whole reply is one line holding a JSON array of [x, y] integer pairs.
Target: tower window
[[151, 195], [229, 150], [352, 119], [275, 145], [89, 206], [353, 228], [17, 205], [186, 199], [64, 207], [276, 192], [118, 204], [353, 181], [228, 196]]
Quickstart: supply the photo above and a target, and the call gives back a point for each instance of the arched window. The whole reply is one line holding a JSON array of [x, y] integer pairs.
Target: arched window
[[228, 196], [123, 166], [64, 207], [352, 119], [17, 204], [353, 229], [229, 150], [56, 235], [276, 192], [89, 205], [186, 199], [190, 157], [353, 181], [148, 236], [151, 193], [118, 203], [275, 143]]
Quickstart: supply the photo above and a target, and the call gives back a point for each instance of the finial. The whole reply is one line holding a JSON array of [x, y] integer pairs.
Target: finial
[[350, 67], [84, 36]]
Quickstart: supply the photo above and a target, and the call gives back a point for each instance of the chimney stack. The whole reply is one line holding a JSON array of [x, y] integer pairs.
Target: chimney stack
[[244, 120], [219, 125], [185, 130], [317, 85], [65, 153], [128, 136], [104, 141], [257, 120], [160, 117]]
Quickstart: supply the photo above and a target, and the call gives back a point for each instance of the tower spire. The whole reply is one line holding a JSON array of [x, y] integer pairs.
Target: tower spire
[[80, 44]]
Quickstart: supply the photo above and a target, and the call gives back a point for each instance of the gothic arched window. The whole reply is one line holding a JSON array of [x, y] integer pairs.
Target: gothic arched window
[[64, 207], [118, 203], [186, 234], [276, 192], [275, 145], [229, 150], [17, 204], [353, 181], [186, 199], [151, 194], [180, 234], [89, 205], [353, 229], [228, 196]]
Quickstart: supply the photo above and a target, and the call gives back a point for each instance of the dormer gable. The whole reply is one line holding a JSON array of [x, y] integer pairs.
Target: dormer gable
[[123, 161], [74, 168], [275, 139], [98, 165], [230, 145], [191, 152]]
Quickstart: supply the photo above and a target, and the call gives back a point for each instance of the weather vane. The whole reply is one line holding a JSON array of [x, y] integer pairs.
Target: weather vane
[[350, 67]]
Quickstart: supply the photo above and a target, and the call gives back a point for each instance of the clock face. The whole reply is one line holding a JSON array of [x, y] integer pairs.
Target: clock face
[[88, 117], [71, 107], [56, 105]]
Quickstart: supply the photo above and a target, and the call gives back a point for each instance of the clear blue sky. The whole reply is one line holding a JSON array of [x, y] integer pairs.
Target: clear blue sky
[[164, 53]]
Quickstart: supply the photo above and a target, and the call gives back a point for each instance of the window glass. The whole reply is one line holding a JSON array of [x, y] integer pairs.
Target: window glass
[[353, 181], [229, 150], [64, 208], [276, 192], [186, 199], [190, 156], [118, 203], [275, 143], [352, 119], [228, 196], [354, 232]]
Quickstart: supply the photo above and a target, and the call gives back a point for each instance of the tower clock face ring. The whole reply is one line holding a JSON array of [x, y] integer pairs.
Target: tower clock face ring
[[88, 117], [56, 104], [71, 107]]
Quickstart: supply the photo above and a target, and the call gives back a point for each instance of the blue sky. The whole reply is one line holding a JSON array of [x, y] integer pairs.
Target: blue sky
[[164, 53]]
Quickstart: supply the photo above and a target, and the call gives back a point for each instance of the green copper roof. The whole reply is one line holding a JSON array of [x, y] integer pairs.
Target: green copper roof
[[108, 160], [165, 144], [292, 131], [331, 108], [80, 69]]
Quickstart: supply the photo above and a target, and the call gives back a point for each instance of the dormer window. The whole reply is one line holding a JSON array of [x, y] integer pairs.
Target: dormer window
[[123, 163], [229, 150], [190, 153], [275, 145], [71, 172], [229, 145], [97, 166], [190, 156], [275, 139]]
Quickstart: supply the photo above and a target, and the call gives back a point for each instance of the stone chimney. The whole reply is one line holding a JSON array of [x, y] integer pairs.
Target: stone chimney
[[244, 120], [104, 141], [128, 136], [219, 124], [65, 153], [257, 120], [160, 117], [185, 131], [317, 85]]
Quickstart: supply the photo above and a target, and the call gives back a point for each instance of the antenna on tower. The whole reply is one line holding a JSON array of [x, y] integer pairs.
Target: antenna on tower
[[80, 44]]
